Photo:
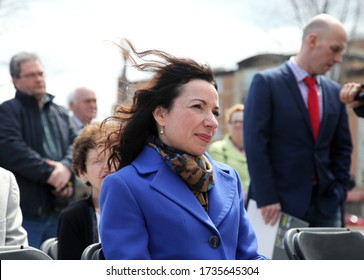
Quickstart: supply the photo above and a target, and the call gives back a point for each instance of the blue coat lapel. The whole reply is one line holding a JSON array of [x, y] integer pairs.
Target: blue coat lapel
[[173, 187], [221, 198]]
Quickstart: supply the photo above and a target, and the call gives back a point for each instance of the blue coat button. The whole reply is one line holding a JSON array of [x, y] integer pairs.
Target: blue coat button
[[214, 241]]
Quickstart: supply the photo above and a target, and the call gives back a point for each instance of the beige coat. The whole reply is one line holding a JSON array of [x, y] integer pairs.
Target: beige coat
[[11, 230]]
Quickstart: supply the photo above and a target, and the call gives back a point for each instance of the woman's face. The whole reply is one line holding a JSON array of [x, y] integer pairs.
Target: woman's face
[[236, 125], [96, 164], [192, 121]]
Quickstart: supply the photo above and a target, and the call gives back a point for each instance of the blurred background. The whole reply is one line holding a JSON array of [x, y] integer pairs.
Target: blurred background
[[75, 40]]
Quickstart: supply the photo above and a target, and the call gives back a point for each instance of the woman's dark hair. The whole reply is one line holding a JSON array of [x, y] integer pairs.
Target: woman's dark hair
[[170, 74]]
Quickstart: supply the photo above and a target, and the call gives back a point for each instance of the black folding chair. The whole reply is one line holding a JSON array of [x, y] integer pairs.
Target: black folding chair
[[324, 244], [50, 247], [22, 253], [93, 252]]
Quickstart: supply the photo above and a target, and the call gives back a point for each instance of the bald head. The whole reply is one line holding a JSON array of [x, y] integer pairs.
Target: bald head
[[83, 103], [323, 43], [322, 24]]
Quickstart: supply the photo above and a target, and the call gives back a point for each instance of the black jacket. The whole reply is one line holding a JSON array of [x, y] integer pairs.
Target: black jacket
[[77, 229], [21, 151]]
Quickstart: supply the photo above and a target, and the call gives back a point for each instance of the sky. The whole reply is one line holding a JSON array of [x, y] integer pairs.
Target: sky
[[74, 38]]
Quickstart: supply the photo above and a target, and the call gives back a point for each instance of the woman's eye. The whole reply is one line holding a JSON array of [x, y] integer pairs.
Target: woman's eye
[[199, 106], [217, 114]]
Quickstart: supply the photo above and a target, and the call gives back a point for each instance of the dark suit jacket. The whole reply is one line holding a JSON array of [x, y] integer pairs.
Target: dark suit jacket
[[281, 152], [77, 229]]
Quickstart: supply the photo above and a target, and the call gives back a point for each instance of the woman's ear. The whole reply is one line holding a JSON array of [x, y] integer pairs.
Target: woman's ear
[[83, 176], [159, 115]]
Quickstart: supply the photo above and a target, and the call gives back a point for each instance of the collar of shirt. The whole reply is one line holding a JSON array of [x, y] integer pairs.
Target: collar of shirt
[[300, 74], [77, 121]]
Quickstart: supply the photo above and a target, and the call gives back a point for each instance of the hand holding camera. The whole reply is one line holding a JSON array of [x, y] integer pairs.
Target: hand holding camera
[[360, 95], [352, 94]]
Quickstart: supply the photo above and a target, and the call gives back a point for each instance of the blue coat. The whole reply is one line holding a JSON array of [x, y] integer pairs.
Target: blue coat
[[147, 212], [281, 151]]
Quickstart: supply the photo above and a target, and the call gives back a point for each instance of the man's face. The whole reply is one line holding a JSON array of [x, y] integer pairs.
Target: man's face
[[31, 79], [85, 106]]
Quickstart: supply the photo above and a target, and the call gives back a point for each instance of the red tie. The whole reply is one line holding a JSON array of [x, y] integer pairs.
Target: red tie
[[313, 105]]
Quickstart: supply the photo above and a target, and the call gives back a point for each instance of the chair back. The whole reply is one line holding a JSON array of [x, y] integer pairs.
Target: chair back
[[22, 253], [93, 252], [50, 247], [324, 244]]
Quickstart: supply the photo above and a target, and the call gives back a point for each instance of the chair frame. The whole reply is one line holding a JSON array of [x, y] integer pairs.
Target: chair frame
[[298, 242], [22, 253], [93, 252], [50, 247]]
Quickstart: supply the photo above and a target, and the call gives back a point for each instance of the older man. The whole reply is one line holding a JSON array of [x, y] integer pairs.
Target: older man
[[83, 105]]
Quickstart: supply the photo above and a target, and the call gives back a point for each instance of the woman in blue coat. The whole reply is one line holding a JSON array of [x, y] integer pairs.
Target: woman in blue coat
[[169, 199]]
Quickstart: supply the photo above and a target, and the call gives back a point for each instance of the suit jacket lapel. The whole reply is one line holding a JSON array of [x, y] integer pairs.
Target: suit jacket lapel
[[292, 83], [326, 107]]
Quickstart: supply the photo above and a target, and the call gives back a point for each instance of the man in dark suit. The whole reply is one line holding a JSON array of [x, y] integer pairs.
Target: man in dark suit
[[297, 166]]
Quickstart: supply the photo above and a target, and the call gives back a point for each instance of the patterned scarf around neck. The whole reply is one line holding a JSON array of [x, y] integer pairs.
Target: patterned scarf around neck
[[195, 171]]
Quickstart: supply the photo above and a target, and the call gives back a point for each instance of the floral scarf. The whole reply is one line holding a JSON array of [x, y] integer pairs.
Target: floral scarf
[[195, 171]]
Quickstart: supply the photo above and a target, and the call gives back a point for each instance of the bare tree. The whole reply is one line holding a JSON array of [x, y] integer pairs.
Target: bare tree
[[349, 11], [8, 9]]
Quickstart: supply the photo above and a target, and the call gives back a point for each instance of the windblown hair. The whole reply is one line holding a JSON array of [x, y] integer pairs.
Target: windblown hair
[[170, 74], [92, 136]]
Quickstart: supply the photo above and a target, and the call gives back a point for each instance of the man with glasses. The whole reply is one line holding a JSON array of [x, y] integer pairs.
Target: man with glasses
[[36, 145]]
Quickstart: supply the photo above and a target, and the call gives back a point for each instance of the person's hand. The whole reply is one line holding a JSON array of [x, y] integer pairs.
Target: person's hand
[[271, 213], [60, 178], [66, 191], [348, 93]]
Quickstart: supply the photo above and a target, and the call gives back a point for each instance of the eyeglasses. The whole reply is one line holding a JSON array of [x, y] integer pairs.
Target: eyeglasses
[[97, 162], [33, 75], [236, 122]]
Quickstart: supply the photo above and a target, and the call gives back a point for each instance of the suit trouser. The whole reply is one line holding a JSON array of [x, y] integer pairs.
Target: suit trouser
[[317, 219]]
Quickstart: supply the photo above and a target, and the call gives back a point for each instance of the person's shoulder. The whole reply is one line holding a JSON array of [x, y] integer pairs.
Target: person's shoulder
[[225, 169], [75, 207], [61, 109], [273, 70], [216, 145], [329, 82], [5, 173], [9, 103]]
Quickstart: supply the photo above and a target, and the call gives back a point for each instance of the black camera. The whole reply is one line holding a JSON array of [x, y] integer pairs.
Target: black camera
[[360, 95]]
